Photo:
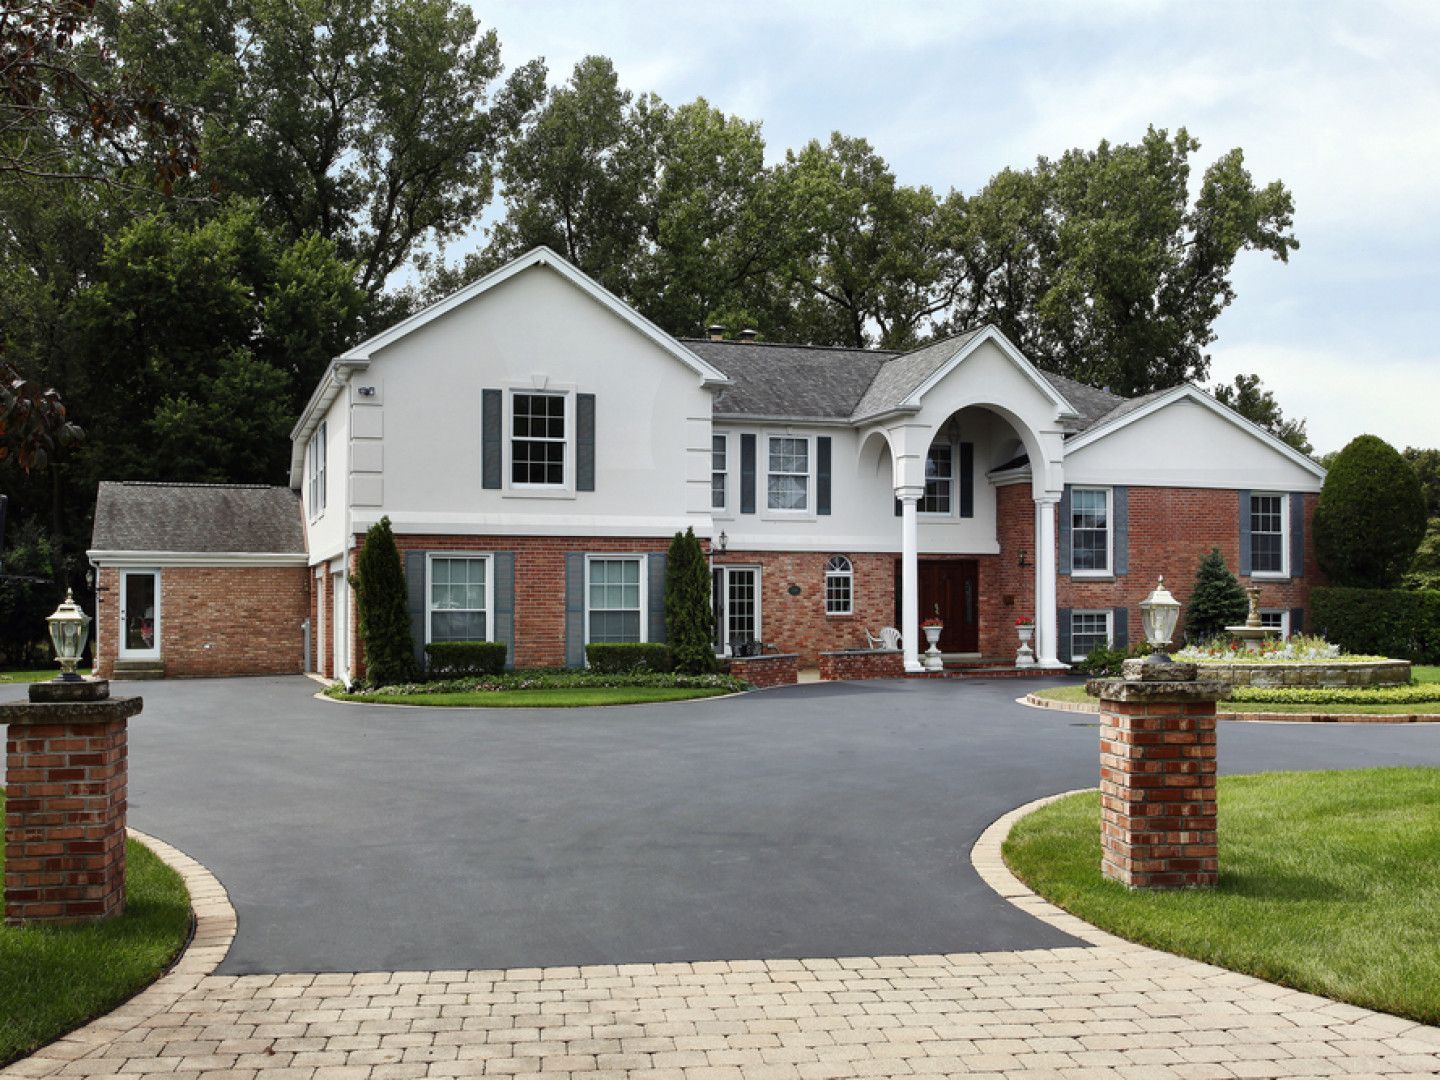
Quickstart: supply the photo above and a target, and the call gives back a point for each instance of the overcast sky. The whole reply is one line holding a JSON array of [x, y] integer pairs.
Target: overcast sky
[[1340, 101]]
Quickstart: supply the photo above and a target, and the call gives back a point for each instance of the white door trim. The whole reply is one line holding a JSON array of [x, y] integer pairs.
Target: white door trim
[[123, 652]]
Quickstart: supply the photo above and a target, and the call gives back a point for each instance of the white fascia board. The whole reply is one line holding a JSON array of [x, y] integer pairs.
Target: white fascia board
[[197, 558], [576, 525], [737, 546], [541, 256], [1191, 392], [992, 333], [336, 376]]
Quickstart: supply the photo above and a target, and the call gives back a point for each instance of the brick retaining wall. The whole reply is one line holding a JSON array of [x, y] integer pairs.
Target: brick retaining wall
[[782, 669], [862, 664]]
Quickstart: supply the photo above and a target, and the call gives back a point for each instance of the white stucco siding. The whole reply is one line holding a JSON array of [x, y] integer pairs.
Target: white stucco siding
[[325, 533], [1186, 444], [535, 331]]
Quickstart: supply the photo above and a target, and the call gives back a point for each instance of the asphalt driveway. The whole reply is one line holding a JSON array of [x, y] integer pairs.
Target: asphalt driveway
[[819, 820]]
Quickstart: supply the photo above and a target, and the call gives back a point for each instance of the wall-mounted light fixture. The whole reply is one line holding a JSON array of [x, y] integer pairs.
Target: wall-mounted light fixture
[[1023, 563], [365, 391], [724, 541]]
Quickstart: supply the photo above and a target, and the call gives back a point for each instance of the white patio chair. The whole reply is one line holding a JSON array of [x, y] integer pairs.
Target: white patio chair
[[888, 638]]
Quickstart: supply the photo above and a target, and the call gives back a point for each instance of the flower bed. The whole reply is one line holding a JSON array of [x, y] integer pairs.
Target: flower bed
[[1301, 661], [557, 679], [1416, 694]]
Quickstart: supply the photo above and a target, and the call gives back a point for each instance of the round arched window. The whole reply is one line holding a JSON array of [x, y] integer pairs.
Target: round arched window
[[839, 586]]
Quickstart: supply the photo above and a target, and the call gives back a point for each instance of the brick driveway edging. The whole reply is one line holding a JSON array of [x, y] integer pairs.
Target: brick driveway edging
[[1035, 701]]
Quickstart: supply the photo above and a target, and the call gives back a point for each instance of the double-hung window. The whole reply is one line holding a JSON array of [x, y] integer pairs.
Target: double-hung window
[[719, 470], [316, 455], [615, 599], [459, 598], [839, 586], [537, 440], [1276, 619], [1089, 630], [1268, 528], [939, 479], [1090, 531], [787, 485]]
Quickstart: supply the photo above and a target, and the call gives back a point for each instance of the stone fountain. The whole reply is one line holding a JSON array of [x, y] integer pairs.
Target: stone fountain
[[1252, 633]]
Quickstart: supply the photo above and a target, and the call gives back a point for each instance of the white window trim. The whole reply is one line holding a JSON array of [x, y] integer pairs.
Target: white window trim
[[945, 515], [1284, 614], [489, 559], [1109, 629], [759, 602], [1109, 570], [763, 495], [563, 490], [848, 575], [1284, 572], [722, 511], [613, 556], [319, 477], [121, 610]]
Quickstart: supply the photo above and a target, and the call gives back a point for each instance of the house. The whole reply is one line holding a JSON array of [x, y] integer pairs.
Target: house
[[535, 443]]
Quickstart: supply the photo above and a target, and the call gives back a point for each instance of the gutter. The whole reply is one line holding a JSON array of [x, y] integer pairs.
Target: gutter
[[331, 383]]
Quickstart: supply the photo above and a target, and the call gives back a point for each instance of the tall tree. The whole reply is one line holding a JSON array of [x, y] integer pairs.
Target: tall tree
[[1370, 517], [1426, 464], [1248, 396]]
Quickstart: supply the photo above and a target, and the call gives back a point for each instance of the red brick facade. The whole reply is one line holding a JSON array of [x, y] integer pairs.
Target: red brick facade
[[216, 620], [65, 821], [765, 671], [876, 664]]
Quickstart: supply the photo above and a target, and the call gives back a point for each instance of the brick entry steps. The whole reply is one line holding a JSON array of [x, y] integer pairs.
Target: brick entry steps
[[137, 669]]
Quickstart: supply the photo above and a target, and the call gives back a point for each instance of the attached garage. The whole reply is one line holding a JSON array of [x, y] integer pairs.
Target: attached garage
[[199, 580]]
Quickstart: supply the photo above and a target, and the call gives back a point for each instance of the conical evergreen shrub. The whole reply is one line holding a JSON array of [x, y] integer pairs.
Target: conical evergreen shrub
[[381, 604], [689, 614], [1217, 600], [1370, 517]]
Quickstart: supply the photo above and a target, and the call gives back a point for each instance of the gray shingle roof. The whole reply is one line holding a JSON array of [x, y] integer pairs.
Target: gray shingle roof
[[898, 379], [793, 381], [134, 515]]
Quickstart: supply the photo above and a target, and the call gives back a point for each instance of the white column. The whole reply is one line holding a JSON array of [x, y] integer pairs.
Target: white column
[[910, 574], [1046, 620]]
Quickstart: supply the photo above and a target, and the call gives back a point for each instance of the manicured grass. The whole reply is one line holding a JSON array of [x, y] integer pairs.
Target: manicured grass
[[1078, 694], [1425, 672], [1328, 884], [561, 698], [54, 979], [35, 676]]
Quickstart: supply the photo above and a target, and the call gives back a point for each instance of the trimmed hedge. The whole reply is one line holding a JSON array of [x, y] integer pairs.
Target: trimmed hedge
[[1415, 694], [1385, 622], [561, 679], [465, 657], [617, 657]]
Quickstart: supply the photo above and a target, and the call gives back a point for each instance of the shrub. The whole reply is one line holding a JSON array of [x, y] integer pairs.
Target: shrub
[[1105, 661], [689, 608], [380, 599], [1370, 517], [1217, 601], [465, 657], [559, 679], [1384, 622], [29, 593], [1415, 694], [614, 657]]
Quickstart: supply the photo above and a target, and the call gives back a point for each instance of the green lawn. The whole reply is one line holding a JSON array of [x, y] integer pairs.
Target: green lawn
[[35, 676], [1425, 672], [1328, 883], [54, 979], [1078, 694], [569, 697]]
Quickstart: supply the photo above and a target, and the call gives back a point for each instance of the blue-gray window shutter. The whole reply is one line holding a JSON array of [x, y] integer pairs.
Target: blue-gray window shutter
[[747, 474], [1120, 500], [1297, 534], [822, 474], [967, 479], [415, 601], [1064, 513], [1062, 636], [584, 442], [492, 431], [575, 609], [1120, 628], [1244, 534], [656, 586], [899, 509], [502, 626], [1297, 620]]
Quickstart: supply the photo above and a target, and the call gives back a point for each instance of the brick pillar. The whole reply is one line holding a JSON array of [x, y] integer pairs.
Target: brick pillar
[[65, 803], [1157, 776]]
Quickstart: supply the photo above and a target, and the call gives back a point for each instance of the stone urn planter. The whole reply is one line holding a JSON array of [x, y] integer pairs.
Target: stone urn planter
[[933, 660], [1025, 656]]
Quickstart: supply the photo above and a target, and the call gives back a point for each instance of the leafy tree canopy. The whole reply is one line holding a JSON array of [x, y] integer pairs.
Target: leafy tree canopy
[[1370, 517], [1247, 396]]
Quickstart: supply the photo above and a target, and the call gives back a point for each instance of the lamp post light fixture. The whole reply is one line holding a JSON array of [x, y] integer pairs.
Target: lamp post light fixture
[[69, 627], [1159, 612]]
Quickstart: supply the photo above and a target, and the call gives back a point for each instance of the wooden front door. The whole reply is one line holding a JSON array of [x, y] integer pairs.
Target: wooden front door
[[952, 585]]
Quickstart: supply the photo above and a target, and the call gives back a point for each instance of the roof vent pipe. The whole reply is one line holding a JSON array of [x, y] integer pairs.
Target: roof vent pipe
[[745, 335], [715, 333]]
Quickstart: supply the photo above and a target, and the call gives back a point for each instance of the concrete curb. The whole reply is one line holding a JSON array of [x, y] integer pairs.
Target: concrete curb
[[214, 931], [1033, 701]]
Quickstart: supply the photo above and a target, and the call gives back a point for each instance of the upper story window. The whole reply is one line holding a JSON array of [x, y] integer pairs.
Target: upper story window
[[1268, 535], [939, 479], [1090, 530], [787, 484], [537, 440], [315, 457], [839, 586], [719, 470]]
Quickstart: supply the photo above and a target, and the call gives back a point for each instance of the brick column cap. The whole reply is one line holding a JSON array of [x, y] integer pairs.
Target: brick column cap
[[30, 714], [1158, 692]]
